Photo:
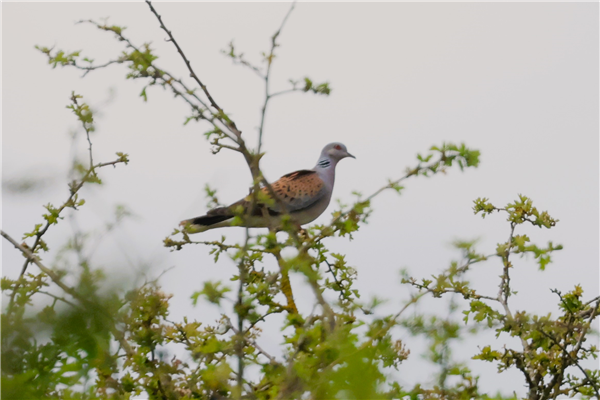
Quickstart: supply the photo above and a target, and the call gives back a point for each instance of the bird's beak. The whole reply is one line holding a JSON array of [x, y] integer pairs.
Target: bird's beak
[[350, 155]]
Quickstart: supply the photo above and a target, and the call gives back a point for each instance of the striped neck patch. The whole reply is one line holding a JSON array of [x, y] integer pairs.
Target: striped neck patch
[[324, 163]]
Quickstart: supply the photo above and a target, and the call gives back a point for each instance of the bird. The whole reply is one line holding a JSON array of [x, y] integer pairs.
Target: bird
[[303, 195]]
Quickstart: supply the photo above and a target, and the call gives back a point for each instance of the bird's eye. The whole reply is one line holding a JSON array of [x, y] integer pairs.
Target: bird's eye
[[337, 147]]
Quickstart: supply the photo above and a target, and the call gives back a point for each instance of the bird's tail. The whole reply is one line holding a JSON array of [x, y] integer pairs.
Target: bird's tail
[[206, 222]]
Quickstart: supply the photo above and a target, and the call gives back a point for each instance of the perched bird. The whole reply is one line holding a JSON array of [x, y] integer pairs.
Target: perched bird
[[304, 195]]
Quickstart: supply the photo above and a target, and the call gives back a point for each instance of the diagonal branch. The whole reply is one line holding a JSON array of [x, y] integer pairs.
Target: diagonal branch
[[231, 125], [56, 279], [74, 189], [165, 77]]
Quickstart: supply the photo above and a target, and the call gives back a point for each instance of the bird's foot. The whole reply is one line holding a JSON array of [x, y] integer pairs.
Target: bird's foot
[[303, 233]]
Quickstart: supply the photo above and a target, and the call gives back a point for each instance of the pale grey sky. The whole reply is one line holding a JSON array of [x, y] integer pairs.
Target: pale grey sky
[[519, 81]]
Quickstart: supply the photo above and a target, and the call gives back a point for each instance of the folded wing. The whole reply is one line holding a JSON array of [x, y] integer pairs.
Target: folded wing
[[297, 190]]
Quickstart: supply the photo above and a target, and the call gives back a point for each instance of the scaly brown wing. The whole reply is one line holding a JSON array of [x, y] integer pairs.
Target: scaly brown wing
[[297, 190]]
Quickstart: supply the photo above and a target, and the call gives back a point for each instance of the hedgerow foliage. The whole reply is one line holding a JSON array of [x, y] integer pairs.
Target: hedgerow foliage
[[88, 342]]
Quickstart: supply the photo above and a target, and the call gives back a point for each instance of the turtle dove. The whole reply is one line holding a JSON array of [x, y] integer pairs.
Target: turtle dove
[[304, 195]]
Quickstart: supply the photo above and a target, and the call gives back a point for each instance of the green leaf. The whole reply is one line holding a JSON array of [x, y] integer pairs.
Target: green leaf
[[213, 291]]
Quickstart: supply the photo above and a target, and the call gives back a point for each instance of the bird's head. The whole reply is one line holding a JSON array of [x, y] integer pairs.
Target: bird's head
[[336, 151]]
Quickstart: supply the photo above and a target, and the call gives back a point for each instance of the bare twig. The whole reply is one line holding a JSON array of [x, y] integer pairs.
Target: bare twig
[[239, 59], [90, 68], [286, 91], [58, 298], [224, 246], [230, 124], [267, 75], [595, 299]]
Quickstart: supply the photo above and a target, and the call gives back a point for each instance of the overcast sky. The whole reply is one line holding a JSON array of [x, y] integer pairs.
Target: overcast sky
[[518, 81]]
